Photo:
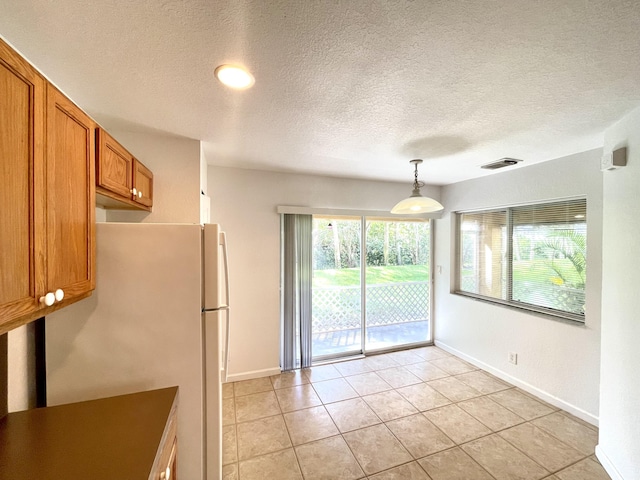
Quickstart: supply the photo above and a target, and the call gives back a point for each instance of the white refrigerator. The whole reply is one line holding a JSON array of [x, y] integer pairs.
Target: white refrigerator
[[159, 317]]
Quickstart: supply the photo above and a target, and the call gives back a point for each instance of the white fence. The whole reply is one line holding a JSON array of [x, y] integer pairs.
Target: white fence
[[338, 308]]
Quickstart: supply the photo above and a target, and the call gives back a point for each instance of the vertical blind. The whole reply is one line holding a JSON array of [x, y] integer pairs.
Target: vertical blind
[[532, 256], [296, 295]]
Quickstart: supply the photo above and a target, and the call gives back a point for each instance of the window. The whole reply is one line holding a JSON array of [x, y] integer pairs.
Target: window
[[530, 256]]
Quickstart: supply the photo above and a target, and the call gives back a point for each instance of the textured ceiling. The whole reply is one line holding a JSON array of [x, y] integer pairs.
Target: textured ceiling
[[347, 88]]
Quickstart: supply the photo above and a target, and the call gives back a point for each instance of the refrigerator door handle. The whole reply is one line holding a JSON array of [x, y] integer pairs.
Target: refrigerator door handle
[[225, 256], [226, 350]]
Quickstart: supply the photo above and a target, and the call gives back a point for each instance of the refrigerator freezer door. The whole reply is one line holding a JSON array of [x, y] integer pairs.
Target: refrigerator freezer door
[[213, 388]]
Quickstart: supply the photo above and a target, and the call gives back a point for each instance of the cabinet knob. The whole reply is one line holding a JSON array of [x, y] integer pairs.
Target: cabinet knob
[[166, 475], [139, 194], [48, 299], [134, 191], [59, 294]]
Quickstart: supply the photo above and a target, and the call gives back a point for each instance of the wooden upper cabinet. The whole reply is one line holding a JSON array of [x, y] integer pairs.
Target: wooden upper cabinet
[[47, 214], [70, 196], [143, 184], [114, 166], [22, 102], [122, 181]]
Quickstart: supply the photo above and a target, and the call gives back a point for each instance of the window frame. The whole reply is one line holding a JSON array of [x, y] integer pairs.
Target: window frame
[[579, 319]]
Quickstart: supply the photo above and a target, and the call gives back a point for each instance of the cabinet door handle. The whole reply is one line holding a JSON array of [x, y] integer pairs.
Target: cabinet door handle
[[48, 299], [139, 194], [166, 475], [52, 297], [134, 191]]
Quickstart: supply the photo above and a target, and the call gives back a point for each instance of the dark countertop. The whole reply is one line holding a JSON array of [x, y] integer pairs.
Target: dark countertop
[[109, 438]]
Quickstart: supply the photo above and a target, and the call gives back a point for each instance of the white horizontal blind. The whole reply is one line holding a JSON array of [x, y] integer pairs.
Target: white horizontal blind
[[530, 256], [550, 255], [483, 246]]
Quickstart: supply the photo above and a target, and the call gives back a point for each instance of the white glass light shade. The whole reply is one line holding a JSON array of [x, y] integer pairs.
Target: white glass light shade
[[417, 204]]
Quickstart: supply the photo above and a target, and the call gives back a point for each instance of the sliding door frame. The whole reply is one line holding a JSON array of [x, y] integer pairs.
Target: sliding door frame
[[363, 298]]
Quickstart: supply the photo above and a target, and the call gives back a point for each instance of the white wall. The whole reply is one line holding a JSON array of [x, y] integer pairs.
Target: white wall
[[175, 163], [558, 360], [19, 358], [205, 200], [244, 202], [619, 447], [203, 170]]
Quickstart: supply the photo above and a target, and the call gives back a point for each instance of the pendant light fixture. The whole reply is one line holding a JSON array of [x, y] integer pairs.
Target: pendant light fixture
[[416, 203]]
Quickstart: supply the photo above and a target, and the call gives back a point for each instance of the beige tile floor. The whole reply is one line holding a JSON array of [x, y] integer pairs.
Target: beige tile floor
[[419, 414]]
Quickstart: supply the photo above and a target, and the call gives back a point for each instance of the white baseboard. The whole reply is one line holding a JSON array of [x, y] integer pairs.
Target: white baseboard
[[547, 397], [267, 372], [607, 464]]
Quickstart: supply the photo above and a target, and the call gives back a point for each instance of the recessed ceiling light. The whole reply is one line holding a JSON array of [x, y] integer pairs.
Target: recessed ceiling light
[[234, 77]]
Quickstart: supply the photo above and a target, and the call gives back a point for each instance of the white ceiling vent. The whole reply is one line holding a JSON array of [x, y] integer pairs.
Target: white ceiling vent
[[503, 162]]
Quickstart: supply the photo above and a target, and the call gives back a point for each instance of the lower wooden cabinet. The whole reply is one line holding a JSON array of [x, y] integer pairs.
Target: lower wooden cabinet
[[165, 467], [129, 437], [168, 468]]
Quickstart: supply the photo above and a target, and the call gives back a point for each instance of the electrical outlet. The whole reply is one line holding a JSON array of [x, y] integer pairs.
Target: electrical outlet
[[513, 358]]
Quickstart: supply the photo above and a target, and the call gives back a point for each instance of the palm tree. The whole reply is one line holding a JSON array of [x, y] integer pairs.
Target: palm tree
[[572, 246]]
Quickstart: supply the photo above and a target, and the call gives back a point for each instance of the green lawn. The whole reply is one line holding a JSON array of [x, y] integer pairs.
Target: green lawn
[[531, 271], [539, 271], [375, 275]]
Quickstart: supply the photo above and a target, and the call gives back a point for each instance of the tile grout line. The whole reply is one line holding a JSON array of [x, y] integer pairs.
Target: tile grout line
[[463, 451], [491, 430], [381, 423], [286, 426], [455, 444], [341, 433], [419, 412], [413, 458], [551, 472]]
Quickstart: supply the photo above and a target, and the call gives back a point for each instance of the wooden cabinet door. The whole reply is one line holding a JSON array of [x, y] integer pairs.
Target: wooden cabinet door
[[22, 102], [70, 197], [114, 167], [143, 183]]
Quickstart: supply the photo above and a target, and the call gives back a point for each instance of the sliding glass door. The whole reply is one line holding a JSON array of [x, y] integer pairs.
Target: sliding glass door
[[397, 283], [336, 301], [378, 300]]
